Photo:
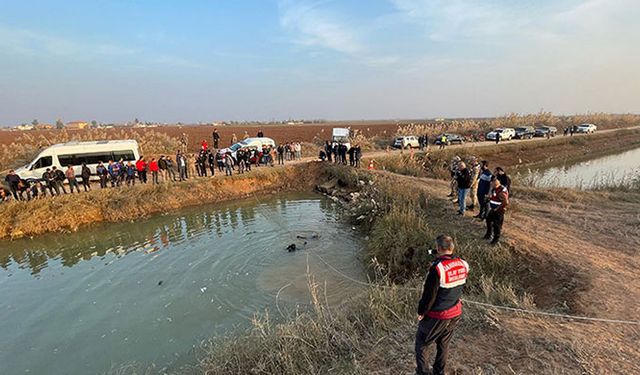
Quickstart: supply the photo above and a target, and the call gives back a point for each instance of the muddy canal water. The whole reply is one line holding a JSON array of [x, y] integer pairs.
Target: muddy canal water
[[148, 291]]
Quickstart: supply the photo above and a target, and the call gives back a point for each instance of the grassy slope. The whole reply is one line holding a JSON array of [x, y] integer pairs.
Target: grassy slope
[[555, 267]]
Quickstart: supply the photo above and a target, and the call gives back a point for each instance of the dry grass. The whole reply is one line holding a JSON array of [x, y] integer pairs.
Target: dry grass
[[373, 332]]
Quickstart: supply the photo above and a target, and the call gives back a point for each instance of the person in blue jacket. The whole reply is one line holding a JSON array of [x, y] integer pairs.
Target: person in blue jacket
[[484, 186]]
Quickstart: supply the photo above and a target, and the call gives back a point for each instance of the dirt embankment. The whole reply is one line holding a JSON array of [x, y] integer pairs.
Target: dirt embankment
[[564, 251], [73, 211]]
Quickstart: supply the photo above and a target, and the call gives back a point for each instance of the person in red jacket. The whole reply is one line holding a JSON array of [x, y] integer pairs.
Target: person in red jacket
[[440, 307], [141, 167], [154, 168], [204, 145]]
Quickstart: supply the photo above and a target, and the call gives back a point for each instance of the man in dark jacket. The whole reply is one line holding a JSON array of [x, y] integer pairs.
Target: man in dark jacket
[[328, 150], [59, 179], [463, 179], [13, 180], [484, 186], [47, 180], [440, 307], [357, 155], [102, 173], [352, 161], [211, 160], [162, 165], [216, 138], [85, 173]]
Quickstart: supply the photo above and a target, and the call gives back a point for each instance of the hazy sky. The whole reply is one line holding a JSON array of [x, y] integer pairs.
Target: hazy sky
[[211, 60]]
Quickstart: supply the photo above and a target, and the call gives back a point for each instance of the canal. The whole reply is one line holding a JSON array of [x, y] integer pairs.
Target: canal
[[149, 291]]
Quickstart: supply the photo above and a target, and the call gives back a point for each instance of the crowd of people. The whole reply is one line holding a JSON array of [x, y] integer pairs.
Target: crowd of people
[[473, 184], [341, 153], [205, 162]]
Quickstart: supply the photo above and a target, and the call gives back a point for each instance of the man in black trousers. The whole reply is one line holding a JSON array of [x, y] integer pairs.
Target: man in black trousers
[[440, 307]]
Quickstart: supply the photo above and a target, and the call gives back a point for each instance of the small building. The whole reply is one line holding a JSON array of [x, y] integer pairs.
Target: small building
[[44, 127], [24, 127], [77, 125]]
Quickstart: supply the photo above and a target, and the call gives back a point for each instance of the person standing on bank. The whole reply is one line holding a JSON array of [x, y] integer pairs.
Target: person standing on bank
[[59, 179], [154, 169], [13, 180], [141, 167], [498, 203], [484, 187], [102, 173], [216, 139], [85, 173], [463, 179], [440, 308]]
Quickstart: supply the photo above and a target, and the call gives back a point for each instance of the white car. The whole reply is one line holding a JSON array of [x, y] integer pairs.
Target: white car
[[406, 141], [506, 134], [250, 143], [75, 153], [586, 128]]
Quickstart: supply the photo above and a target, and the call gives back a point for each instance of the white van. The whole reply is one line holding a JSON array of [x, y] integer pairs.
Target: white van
[[75, 153], [341, 136]]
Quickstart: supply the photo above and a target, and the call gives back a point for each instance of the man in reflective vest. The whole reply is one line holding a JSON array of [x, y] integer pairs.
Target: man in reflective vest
[[498, 203], [440, 307]]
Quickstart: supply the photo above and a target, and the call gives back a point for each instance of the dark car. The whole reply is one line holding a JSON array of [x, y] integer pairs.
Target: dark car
[[450, 139], [543, 131], [525, 132]]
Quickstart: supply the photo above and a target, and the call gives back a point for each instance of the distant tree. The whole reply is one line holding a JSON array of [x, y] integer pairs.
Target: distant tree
[[136, 121], [34, 122], [59, 124], [94, 123]]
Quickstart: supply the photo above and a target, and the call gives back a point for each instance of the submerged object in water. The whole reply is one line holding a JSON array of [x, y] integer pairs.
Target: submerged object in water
[[291, 248], [312, 236]]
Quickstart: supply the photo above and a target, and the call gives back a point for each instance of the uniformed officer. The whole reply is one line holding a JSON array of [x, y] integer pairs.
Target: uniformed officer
[[440, 307], [498, 203]]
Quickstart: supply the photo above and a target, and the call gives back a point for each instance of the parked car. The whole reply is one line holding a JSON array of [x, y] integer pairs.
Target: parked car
[[506, 134], [249, 143], [450, 139], [542, 131], [406, 141], [525, 132], [586, 128]]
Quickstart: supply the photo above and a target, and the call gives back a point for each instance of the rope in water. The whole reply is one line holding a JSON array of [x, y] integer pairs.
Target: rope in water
[[499, 307]]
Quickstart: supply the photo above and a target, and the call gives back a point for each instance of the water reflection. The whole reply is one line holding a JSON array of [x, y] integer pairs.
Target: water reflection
[[120, 239], [146, 291], [612, 170]]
